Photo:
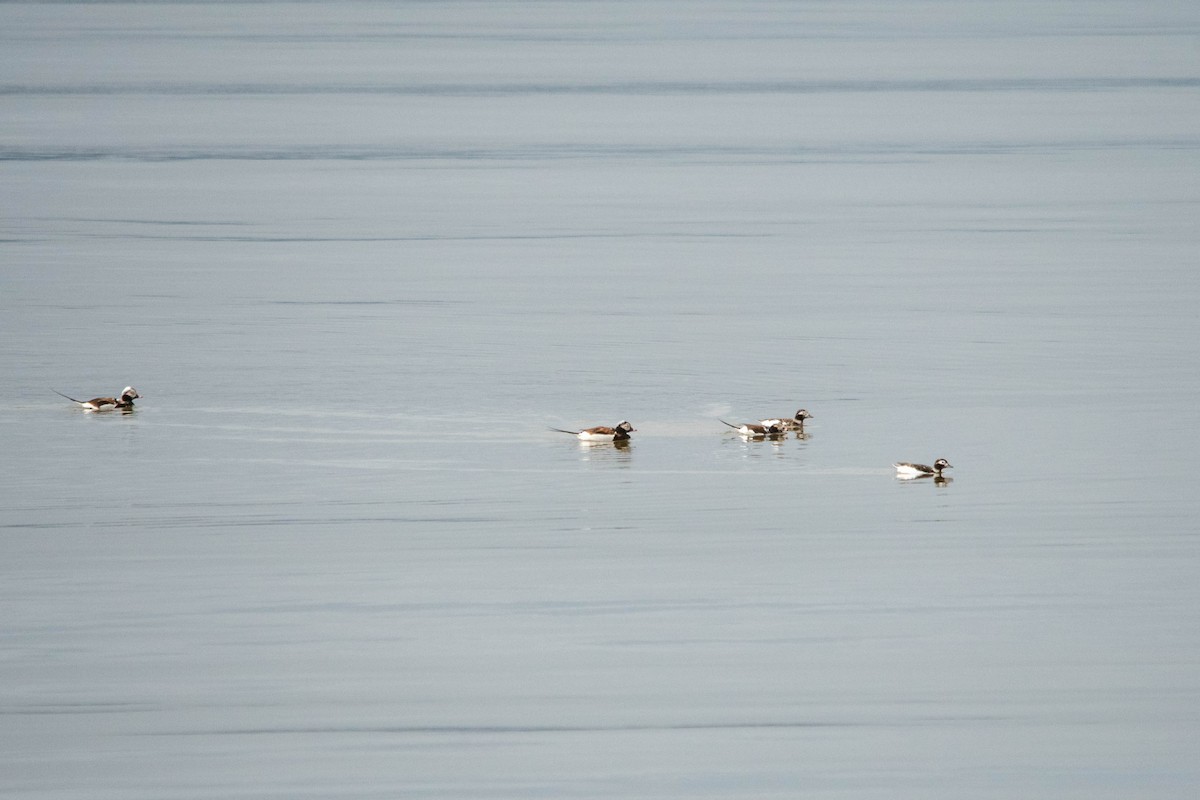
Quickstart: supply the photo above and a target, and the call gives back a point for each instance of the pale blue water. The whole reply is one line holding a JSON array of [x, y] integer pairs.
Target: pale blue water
[[357, 258]]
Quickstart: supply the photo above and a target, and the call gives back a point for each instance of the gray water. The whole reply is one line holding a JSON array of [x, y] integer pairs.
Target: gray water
[[358, 257]]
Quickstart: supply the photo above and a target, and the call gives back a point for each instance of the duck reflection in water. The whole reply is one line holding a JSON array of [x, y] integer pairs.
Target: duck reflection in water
[[618, 451]]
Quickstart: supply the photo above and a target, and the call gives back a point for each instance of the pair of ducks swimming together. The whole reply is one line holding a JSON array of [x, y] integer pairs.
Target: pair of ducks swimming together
[[601, 433], [620, 432], [764, 428]]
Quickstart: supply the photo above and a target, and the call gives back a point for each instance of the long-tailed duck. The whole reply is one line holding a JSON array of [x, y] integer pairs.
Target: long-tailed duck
[[755, 428], [796, 423], [122, 403], [618, 433], [906, 469]]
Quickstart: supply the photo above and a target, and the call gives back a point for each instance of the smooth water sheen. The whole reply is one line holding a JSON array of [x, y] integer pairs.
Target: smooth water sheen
[[359, 257]]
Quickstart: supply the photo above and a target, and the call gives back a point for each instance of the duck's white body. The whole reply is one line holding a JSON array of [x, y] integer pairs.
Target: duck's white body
[[591, 435]]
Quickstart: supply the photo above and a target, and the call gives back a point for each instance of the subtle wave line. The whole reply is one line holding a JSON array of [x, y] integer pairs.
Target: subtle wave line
[[652, 88], [790, 153], [501, 730]]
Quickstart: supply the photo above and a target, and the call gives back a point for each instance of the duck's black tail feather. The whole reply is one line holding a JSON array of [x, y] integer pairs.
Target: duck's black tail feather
[[60, 394]]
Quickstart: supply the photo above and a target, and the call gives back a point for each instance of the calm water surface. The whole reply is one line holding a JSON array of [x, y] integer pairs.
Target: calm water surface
[[358, 257]]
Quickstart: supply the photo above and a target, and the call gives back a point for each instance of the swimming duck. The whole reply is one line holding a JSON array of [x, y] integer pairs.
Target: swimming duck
[[618, 433], [906, 469], [755, 428], [796, 423], [122, 403]]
